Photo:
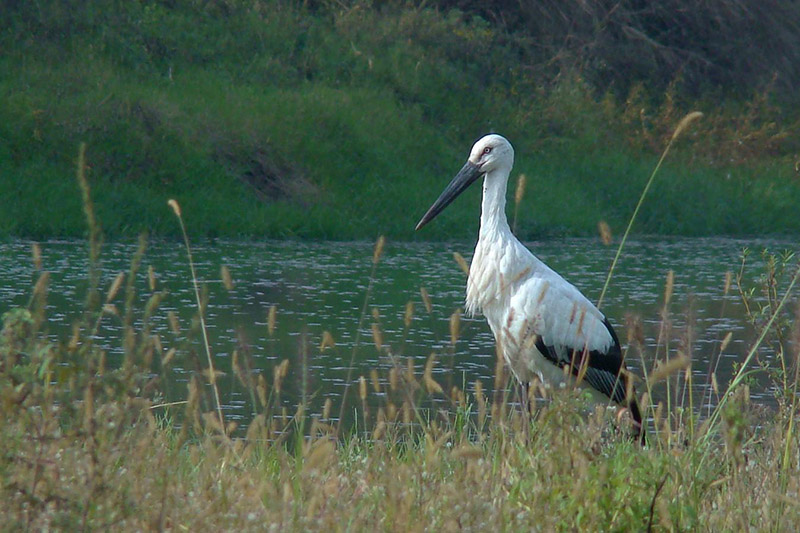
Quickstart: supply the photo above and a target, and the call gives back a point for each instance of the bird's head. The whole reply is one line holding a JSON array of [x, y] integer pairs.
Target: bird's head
[[490, 153]]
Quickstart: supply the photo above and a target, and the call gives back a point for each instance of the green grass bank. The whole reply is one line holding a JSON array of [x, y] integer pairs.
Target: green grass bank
[[345, 120]]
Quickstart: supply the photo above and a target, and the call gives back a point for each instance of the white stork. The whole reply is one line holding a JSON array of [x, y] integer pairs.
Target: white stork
[[543, 325]]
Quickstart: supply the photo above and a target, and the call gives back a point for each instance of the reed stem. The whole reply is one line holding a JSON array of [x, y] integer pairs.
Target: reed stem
[[691, 117], [211, 371]]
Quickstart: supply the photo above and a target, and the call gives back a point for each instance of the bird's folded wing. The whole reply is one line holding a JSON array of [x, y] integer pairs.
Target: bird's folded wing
[[568, 330]]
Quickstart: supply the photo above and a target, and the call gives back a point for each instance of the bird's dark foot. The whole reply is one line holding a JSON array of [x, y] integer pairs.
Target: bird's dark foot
[[624, 418]]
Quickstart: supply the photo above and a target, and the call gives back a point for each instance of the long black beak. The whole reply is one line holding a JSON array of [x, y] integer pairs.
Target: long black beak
[[465, 177]]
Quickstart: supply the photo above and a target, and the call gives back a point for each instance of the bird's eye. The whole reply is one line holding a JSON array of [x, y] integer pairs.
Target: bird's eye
[[487, 149]]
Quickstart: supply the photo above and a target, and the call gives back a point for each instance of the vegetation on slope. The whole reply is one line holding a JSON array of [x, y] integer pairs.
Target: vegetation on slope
[[334, 120]]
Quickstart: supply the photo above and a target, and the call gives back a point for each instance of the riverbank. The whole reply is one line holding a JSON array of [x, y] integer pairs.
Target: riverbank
[[331, 123]]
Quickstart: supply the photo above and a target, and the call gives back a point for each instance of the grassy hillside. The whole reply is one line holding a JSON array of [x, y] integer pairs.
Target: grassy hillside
[[269, 119]]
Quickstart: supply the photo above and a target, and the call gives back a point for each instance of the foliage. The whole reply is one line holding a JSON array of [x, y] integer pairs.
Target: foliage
[[91, 445], [729, 46], [341, 120]]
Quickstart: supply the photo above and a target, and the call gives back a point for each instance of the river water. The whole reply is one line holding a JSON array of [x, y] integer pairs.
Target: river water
[[322, 286]]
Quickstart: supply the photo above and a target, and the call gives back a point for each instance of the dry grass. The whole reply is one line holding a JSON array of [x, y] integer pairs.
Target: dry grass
[[121, 468], [725, 137], [85, 446]]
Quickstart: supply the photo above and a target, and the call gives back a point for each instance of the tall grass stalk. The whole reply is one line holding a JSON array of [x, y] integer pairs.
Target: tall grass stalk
[[212, 374], [710, 385], [682, 125], [95, 237], [744, 368]]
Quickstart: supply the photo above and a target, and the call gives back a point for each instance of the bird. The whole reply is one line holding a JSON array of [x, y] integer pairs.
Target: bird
[[543, 325]]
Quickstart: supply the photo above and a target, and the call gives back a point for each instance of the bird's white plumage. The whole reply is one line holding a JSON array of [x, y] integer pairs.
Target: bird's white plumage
[[522, 299], [542, 324]]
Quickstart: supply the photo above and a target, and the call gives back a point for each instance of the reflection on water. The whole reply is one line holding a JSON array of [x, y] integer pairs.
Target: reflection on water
[[322, 286]]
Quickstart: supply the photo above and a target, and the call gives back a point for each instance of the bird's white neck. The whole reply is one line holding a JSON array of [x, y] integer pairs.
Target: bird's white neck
[[493, 206], [485, 284]]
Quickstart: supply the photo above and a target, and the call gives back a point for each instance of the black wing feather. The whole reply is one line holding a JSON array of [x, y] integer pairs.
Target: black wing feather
[[602, 368]]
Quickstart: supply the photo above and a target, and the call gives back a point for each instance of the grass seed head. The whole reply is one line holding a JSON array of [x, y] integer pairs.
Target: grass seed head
[[685, 122], [362, 388], [114, 289], [519, 193], [406, 413], [320, 454], [725, 341], [457, 396], [664, 370], [72, 346], [455, 326], [212, 375], [479, 395], [40, 289], [327, 341], [380, 427], [176, 208], [237, 368], [151, 277], [193, 396], [669, 287], [174, 325], [467, 452], [225, 274], [36, 251], [376, 255], [409, 314], [462, 263], [271, 316], [377, 337], [167, 359], [326, 409], [261, 390], [375, 380], [605, 232], [430, 384], [410, 375], [426, 299], [278, 373]]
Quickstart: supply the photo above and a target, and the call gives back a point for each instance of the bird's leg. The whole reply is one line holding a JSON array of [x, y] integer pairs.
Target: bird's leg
[[526, 398], [522, 394], [525, 408]]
